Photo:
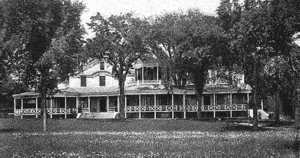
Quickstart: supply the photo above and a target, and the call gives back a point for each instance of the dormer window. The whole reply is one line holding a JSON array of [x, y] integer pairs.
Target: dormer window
[[102, 65], [83, 81]]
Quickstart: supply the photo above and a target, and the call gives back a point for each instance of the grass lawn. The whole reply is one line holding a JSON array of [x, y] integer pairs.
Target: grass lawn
[[141, 138]]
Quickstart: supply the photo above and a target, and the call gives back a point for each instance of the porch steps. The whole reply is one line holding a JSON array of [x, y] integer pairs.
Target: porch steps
[[100, 115]]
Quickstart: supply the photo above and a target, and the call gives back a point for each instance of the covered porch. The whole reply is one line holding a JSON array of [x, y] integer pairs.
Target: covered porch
[[183, 104], [140, 102]]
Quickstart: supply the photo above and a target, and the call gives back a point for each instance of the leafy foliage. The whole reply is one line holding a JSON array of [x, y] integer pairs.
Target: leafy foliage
[[187, 45], [261, 34], [184, 42], [43, 41], [120, 40]]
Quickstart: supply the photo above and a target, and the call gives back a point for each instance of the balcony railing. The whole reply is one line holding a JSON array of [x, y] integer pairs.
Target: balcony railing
[[144, 82]]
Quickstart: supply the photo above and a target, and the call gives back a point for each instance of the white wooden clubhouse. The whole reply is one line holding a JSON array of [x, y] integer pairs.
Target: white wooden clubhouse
[[96, 91]]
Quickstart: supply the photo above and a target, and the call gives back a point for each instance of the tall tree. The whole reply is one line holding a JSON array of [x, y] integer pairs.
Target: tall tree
[[43, 40], [191, 43], [167, 41], [120, 40], [263, 32]]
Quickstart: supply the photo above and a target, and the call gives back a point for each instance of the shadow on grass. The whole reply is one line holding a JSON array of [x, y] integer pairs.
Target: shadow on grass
[[10, 130], [280, 124], [241, 128], [293, 145], [106, 120]]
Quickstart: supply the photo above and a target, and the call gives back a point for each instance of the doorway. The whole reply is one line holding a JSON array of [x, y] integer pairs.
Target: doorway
[[102, 105]]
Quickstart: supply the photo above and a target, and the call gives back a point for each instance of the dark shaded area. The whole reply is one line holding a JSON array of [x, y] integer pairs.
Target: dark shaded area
[[293, 145], [9, 130], [242, 128], [116, 125], [280, 124]]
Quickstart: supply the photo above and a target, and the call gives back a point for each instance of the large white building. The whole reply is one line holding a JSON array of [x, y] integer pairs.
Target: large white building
[[96, 91]]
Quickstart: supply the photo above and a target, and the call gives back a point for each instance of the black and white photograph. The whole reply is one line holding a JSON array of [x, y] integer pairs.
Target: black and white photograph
[[149, 78]]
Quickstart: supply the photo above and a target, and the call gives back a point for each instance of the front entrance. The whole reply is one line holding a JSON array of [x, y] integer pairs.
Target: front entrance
[[98, 104], [103, 105]]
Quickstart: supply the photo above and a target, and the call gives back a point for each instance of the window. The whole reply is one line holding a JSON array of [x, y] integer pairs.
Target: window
[[222, 99], [102, 80], [101, 65], [207, 100], [239, 98], [83, 81]]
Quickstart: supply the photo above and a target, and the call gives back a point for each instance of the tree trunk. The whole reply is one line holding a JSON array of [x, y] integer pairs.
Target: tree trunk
[[297, 117], [255, 101], [199, 100], [44, 107], [122, 98], [277, 108], [255, 95]]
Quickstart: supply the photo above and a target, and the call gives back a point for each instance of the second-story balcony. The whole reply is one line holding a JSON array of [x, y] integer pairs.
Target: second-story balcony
[[150, 74]]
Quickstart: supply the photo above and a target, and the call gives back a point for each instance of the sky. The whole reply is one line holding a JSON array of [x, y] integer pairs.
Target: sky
[[145, 8]]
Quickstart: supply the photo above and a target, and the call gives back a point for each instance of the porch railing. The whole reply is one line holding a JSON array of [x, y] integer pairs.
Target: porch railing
[[34, 111], [187, 108]]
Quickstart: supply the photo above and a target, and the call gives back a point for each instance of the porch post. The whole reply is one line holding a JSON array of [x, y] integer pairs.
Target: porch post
[[118, 104], [51, 106], [231, 105], [184, 106], [248, 97], [21, 108], [89, 104], [140, 106], [125, 105], [154, 106], [137, 76], [247, 107], [15, 106], [65, 107], [143, 76], [36, 107], [77, 103], [172, 106], [214, 104], [107, 104], [157, 72]]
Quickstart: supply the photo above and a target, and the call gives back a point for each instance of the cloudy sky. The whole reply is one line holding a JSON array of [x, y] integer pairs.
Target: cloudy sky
[[145, 8]]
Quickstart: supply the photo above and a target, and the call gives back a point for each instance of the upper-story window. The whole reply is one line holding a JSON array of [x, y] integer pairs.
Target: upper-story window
[[102, 80], [102, 65], [83, 81]]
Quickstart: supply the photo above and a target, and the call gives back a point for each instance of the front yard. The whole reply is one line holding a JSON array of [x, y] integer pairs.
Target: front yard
[[141, 138]]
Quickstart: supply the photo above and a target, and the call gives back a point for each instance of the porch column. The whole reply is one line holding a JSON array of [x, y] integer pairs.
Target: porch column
[[137, 77], [15, 106], [214, 104], [143, 76], [172, 106], [65, 107], [107, 104], [184, 106], [118, 104], [248, 97], [89, 104], [125, 105], [21, 108], [36, 107], [51, 106], [77, 103], [231, 105], [140, 106], [154, 106], [157, 72]]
